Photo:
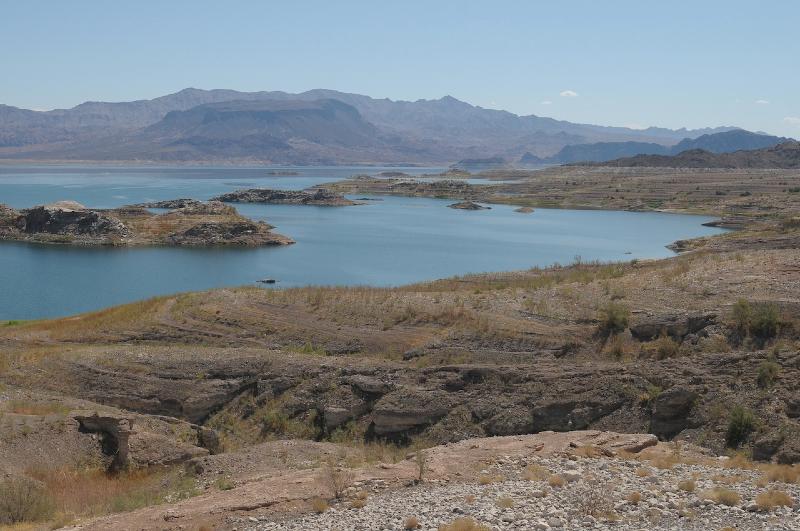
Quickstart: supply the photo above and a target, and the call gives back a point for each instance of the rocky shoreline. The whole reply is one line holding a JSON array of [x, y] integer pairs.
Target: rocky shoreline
[[188, 223]]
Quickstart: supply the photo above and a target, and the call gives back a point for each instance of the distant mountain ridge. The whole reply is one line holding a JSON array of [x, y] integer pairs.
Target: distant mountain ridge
[[423, 131], [785, 155], [723, 142]]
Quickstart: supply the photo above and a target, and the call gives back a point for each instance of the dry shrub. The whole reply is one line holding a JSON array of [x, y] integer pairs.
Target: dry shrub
[[362, 495], [535, 473], [486, 479], [463, 524], [643, 472], [470, 498], [319, 505], [411, 523], [721, 495], [590, 451], [783, 473], [634, 497], [773, 498], [421, 460], [687, 485], [556, 481], [505, 502], [24, 500], [597, 503], [337, 479], [358, 504]]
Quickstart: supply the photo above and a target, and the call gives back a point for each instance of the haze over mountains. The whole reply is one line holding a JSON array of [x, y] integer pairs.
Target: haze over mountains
[[327, 127]]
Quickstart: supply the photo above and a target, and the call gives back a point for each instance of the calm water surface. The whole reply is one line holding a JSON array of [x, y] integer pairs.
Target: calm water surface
[[389, 242]]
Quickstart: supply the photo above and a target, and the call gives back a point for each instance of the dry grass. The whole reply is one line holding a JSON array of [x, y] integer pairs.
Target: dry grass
[[556, 481], [411, 523], [486, 479], [463, 524], [27, 407], [92, 492], [687, 485], [634, 498], [505, 502], [722, 496], [358, 504], [782, 473], [535, 472], [643, 472], [319, 506], [771, 499]]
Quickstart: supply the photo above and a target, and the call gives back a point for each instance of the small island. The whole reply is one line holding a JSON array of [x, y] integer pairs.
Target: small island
[[189, 223], [316, 197], [468, 205], [524, 210]]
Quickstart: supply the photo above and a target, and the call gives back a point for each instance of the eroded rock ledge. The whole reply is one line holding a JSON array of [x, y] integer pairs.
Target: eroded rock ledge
[[189, 223]]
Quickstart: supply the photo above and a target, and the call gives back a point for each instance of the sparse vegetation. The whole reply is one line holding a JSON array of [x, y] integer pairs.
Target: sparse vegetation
[[556, 480], [463, 524], [687, 485]]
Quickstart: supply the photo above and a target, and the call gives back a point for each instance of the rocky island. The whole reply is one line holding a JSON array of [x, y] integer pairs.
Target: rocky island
[[468, 205], [188, 223], [316, 197], [446, 188]]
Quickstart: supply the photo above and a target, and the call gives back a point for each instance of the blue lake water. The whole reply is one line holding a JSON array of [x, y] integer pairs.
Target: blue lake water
[[390, 242]]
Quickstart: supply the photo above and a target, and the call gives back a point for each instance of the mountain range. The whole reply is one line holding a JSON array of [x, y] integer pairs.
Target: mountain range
[[314, 127]]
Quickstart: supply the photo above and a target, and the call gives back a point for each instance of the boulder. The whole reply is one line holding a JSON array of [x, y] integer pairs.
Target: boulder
[[409, 409], [671, 411]]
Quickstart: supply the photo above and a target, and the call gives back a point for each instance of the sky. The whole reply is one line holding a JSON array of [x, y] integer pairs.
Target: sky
[[675, 63]]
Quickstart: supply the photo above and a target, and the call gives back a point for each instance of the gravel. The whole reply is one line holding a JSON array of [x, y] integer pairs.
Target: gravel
[[595, 496]]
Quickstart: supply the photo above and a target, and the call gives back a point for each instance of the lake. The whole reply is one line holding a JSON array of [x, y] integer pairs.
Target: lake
[[383, 243]]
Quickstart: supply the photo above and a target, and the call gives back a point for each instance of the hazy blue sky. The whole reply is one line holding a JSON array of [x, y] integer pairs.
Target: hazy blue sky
[[668, 63]]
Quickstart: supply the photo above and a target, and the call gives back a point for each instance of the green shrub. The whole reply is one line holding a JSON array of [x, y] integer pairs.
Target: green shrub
[[741, 423], [24, 500], [613, 318], [741, 315], [767, 372], [764, 321]]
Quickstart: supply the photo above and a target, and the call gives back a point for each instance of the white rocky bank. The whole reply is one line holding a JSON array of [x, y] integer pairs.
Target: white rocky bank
[[595, 496]]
